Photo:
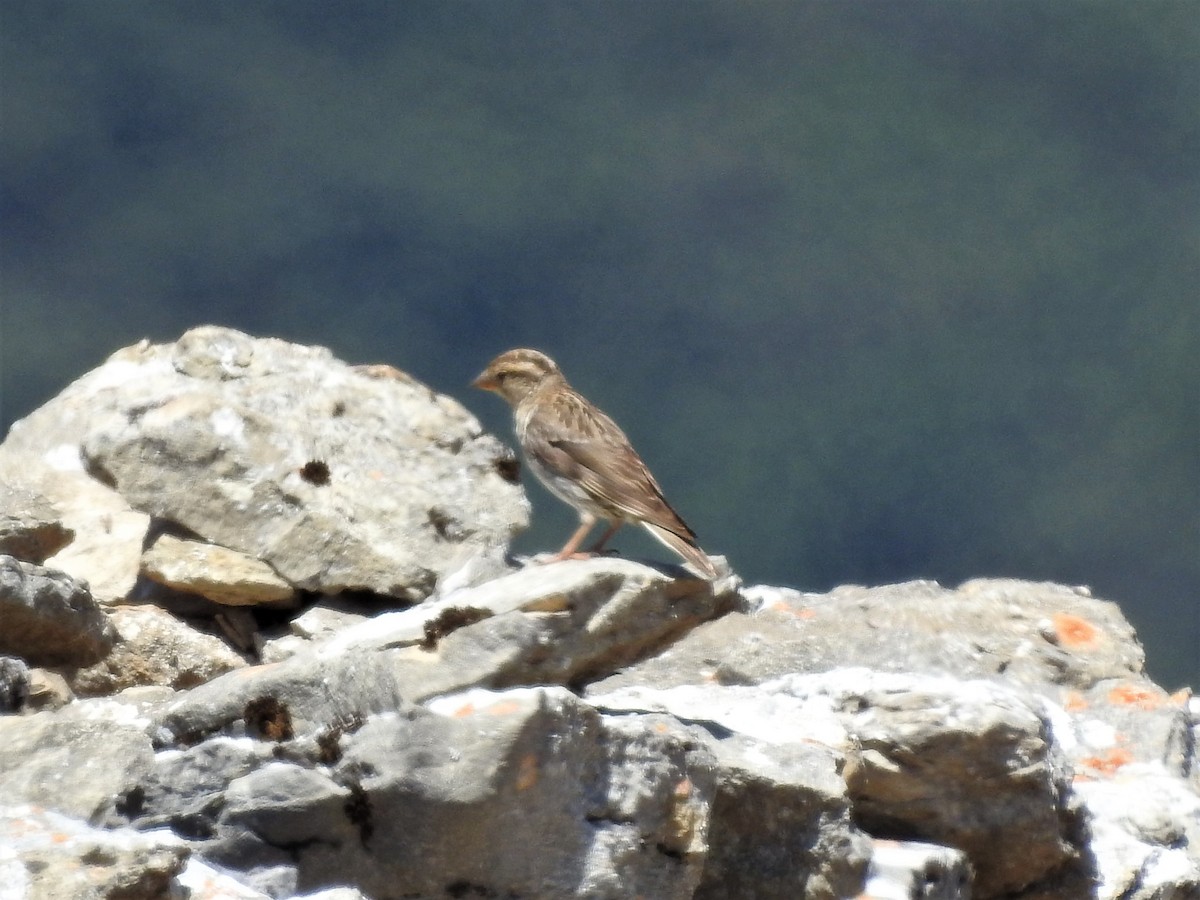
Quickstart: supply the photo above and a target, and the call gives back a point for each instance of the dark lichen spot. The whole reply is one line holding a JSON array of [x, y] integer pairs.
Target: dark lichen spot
[[509, 468], [132, 802], [315, 471], [358, 811], [339, 409], [267, 718], [449, 620], [329, 749], [447, 527]]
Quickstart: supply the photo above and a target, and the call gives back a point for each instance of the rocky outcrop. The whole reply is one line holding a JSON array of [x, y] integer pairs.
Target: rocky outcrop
[[286, 688], [337, 478]]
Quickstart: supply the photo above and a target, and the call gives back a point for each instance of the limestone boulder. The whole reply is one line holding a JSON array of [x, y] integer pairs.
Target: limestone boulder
[[336, 477]]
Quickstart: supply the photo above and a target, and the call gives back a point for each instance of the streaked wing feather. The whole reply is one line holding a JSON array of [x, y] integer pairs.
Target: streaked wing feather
[[578, 441]]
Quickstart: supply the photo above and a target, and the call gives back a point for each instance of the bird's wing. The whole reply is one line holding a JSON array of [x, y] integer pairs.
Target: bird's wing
[[575, 440]]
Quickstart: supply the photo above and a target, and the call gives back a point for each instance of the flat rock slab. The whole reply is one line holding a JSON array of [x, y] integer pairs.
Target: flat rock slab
[[1037, 635], [222, 575]]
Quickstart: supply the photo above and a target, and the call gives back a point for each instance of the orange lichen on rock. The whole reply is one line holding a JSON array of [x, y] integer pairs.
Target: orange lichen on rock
[[527, 772], [1075, 632], [1109, 762], [1075, 702], [1126, 694], [782, 606], [503, 708]]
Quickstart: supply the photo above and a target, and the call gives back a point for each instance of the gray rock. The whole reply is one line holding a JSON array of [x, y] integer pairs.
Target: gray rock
[[200, 881], [969, 765], [49, 856], [909, 870], [1123, 721], [338, 478], [30, 526], [155, 648], [49, 618], [14, 684], [1144, 833], [564, 623], [610, 815], [41, 454], [185, 789], [77, 760], [222, 575], [781, 824], [966, 764], [47, 690], [299, 696], [1033, 634]]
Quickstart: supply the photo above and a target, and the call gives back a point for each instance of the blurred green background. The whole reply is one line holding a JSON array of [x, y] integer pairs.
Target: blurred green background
[[880, 290]]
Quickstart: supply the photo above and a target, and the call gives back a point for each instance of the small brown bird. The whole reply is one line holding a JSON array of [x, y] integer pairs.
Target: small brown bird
[[583, 457]]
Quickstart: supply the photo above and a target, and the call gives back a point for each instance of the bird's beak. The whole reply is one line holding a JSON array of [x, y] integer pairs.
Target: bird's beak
[[485, 382]]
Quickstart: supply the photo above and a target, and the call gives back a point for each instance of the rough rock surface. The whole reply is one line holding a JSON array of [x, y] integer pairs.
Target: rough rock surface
[[49, 856], [583, 729], [30, 527], [338, 477], [154, 647], [222, 575], [49, 618]]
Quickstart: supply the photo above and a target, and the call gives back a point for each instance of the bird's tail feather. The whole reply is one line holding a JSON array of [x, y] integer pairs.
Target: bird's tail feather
[[684, 548]]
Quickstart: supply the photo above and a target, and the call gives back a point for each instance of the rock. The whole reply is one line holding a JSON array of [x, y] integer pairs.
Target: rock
[[909, 870], [76, 760], [337, 478], [198, 881], [14, 684], [1144, 833], [966, 764], [1035, 635], [531, 768], [562, 623], [218, 573], [1124, 721], [299, 696], [937, 763], [998, 740], [780, 825], [47, 690], [319, 622], [50, 618], [41, 454], [30, 526], [49, 856], [155, 648]]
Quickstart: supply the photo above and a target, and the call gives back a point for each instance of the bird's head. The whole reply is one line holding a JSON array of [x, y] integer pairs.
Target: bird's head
[[516, 374]]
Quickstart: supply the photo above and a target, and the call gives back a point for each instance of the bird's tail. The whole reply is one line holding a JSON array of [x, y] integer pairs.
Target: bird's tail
[[685, 548]]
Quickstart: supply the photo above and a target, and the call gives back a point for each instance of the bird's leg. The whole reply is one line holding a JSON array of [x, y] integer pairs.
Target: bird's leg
[[586, 521], [612, 529]]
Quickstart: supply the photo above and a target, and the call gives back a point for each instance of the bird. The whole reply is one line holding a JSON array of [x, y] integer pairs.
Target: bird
[[584, 458]]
